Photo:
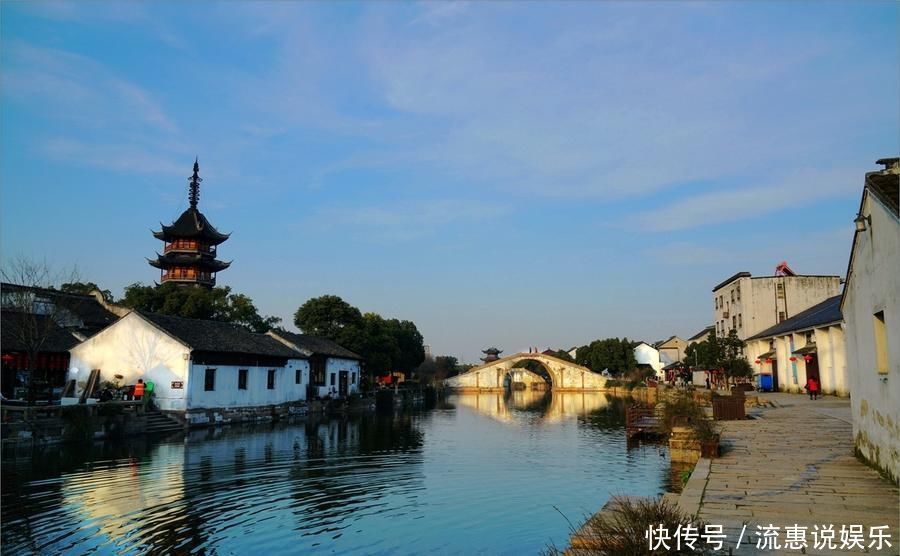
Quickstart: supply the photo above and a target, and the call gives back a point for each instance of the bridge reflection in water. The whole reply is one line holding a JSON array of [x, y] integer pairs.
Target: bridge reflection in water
[[549, 406]]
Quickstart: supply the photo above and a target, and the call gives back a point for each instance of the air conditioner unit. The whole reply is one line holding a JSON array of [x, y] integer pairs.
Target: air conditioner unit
[[725, 314]]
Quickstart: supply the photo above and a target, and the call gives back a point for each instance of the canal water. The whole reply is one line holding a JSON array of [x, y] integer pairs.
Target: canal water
[[480, 474]]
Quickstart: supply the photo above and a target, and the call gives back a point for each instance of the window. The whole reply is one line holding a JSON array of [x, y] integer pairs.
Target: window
[[332, 379], [779, 290], [733, 321], [881, 344], [242, 379], [353, 378], [317, 371], [739, 292], [298, 376], [740, 321], [270, 382], [721, 303], [810, 338], [780, 316], [716, 300], [209, 380], [732, 296]]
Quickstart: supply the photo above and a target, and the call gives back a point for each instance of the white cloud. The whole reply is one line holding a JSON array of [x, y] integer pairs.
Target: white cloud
[[75, 87], [407, 220], [799, 190]]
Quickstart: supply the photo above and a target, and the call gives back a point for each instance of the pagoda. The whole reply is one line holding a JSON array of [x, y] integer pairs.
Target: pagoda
[[491, 354], [189, 255]]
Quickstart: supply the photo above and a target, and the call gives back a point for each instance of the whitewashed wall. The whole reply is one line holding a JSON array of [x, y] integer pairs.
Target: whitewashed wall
[[874, 285], [135, 349], [227, 395], [648, 355], [333, 367]]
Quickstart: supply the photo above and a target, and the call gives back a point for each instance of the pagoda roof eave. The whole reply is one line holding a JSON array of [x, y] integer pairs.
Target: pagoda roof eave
[[182, 259], [192, 224]]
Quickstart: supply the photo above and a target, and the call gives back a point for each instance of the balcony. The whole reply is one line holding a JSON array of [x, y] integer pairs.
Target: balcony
[[205, 278], [190, 247]]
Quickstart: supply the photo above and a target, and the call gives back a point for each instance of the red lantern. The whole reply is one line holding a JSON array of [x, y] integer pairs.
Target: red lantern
[[758, 361], [807, 358], [769, 361], [793, 358]]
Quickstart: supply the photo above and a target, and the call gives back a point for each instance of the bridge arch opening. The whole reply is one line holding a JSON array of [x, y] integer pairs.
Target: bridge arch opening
[[521, 376]]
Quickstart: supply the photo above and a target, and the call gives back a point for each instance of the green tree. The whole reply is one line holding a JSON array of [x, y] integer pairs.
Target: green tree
[[410, 343], [614, 354], [379, 346], [385, 344], [445, 365], [738, 368], [707, 354], [198, 303], [331, 317]]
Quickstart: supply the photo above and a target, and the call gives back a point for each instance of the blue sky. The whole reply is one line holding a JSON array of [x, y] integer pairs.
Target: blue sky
[[507, 174]]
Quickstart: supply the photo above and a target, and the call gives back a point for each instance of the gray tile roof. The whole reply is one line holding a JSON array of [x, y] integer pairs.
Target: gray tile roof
[[706, 331], [316, 345], [55, 340], [219, 337], [826, 312], [885, 186]]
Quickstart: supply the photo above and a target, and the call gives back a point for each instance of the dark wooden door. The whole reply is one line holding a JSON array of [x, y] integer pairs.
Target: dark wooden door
[[774, 375], [343, 383], [812, 369]]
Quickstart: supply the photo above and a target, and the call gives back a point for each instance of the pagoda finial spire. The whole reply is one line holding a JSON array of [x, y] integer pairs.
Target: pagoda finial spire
[[194, 189]]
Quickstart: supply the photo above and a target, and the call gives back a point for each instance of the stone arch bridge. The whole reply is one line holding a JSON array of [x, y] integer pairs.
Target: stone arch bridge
[[564, 375]]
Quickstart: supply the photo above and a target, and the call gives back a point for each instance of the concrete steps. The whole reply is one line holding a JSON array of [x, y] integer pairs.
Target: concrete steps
[[159, 423]]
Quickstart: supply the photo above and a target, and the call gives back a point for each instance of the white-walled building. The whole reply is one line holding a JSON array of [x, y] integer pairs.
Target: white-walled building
[[808, 345], [871, 308], [333, 369], [200, 369], [671, 350], [645, 354], [751, 304]]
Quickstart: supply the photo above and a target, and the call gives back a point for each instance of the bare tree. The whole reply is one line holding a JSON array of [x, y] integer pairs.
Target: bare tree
[[33, 313]]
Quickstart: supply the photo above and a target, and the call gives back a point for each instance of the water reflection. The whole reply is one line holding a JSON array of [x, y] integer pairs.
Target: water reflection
[[447, 481], [547, 406]]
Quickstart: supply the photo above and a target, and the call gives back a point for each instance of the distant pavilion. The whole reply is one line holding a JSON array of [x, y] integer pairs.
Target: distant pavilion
[[491, 354]]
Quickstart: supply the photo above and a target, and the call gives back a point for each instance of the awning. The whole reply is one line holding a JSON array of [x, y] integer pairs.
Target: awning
[[806, 349], [766, 355]]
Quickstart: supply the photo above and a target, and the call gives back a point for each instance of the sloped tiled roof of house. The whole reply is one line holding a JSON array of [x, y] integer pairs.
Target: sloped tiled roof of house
[[85, 308], [702, 333], [221, 337], [55, 339], [885, 186], [826, 312], [317, 345]]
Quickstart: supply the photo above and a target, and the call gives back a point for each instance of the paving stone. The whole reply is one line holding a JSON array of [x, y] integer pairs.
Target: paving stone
[[795, 464]]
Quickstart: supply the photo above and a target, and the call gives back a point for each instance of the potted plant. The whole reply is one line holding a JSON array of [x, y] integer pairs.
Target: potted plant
[[707, 434], [681, 410]]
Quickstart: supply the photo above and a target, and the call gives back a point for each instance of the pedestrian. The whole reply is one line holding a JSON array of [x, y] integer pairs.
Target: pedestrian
[[812, 385], [707, 383], [139, 390]]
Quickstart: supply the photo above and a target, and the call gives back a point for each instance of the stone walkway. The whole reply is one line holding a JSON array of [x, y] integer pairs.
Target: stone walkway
[[794, 465]]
